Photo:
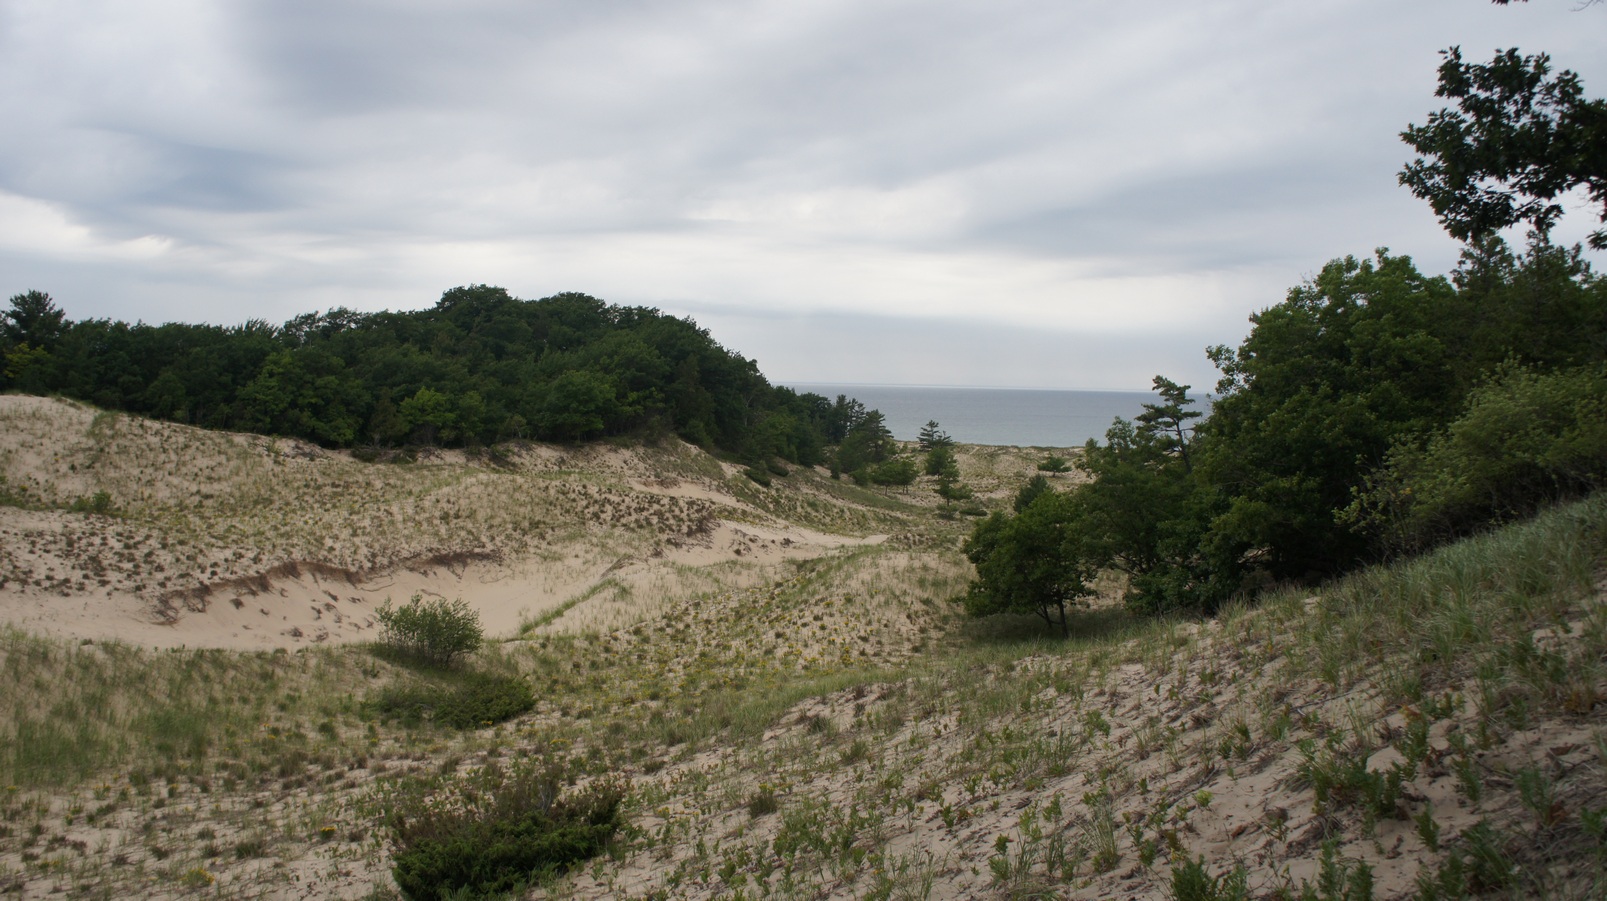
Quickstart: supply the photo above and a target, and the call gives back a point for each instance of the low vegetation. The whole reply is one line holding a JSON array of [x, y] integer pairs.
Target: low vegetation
[[435, 632], [506, 827]]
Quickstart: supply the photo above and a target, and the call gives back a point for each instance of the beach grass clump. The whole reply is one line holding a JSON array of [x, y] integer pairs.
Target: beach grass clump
[[76, 710], [498, 830], [469, 699], [1191, 881]]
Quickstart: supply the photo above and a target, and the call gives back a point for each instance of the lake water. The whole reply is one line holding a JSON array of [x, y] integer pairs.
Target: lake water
[[1022, 417]]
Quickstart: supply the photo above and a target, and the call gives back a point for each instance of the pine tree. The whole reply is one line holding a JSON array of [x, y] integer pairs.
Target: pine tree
[[932, 436]]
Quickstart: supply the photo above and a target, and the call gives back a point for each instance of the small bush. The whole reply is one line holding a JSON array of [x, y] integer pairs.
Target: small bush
[[757, 476], [897, 471], [499, 830], [100, 503], [1339, 781], [1035, 487], [1053, 463], [1479, 865], [435, 632], [1338, 879], [467, 702], [14, 497], [764, 802]]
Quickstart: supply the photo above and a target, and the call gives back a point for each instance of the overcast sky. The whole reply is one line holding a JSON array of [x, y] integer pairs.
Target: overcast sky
[[1034, 193]]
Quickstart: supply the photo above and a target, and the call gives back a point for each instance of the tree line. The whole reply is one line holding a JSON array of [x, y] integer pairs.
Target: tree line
[[479, 367], [1376, 411]]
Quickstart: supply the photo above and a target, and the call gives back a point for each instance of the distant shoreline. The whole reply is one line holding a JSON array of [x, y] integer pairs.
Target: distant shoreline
[[1009, 417], [814, 386]]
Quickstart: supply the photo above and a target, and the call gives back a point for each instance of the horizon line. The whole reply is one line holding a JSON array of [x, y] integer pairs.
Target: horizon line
[[793, 382]]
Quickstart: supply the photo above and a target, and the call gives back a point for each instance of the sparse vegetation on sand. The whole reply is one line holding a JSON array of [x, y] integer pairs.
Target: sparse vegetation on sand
[[737, 717]]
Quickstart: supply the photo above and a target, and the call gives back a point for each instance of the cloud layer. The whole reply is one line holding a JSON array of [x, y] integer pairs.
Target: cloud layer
[[1066, 194]]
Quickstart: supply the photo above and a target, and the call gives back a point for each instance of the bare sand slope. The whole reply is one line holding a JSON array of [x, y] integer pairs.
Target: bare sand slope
[[224, 540]]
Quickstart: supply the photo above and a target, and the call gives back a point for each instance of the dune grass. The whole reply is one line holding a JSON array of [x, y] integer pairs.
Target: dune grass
[[73, 711]]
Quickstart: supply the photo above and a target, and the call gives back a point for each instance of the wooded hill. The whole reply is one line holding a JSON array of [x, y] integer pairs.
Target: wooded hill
[[480, 366]]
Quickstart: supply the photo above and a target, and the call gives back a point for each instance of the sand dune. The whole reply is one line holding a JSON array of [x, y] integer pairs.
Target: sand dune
[[237, 541]]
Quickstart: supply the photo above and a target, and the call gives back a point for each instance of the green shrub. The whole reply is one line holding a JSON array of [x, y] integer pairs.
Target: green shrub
[[499, 830], [1029, 492], [466, 701], [897, 471], [100, 503], [940, 458], [13, 497], [1338, 879], [757, 476], [1053, 463], [436, 632], [1526, 439], [1339, 780], [763, 802]]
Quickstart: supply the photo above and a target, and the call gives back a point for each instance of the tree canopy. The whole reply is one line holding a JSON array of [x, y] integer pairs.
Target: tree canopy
[[480, 366], [1518, 140], [1033, 562]]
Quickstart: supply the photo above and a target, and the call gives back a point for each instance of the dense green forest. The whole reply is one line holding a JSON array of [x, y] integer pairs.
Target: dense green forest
[[1377, 410], [481, 366]]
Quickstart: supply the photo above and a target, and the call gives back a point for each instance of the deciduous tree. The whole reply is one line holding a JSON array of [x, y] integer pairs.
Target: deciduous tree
[[1518, 141], [1035, 562]]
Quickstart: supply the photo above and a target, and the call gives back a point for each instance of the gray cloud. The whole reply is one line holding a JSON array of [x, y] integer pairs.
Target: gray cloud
[[1098, 181]]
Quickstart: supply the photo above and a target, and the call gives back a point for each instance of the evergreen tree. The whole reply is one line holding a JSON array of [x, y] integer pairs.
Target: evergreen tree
[[868, 442], [1167, 423], [33, 320], [932, 436]]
